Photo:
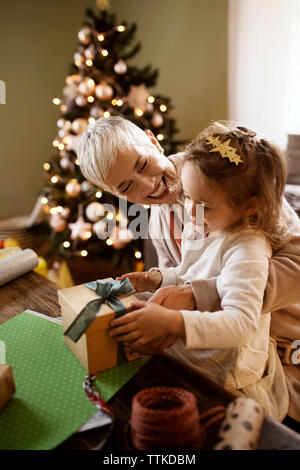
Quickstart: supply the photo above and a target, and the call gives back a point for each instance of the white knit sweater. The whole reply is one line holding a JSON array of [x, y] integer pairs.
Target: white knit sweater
[[231, 346]]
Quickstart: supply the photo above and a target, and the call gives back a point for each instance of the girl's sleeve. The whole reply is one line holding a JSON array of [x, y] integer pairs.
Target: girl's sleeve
[[240, 285], [284, 270]]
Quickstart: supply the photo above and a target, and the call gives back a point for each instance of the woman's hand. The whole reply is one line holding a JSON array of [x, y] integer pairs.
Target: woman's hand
[[179, 297], [144, 281], [153, 347], [149, 322]]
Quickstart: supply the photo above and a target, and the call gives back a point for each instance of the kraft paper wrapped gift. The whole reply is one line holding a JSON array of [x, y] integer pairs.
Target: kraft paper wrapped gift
[[86, 325], [7, 384]]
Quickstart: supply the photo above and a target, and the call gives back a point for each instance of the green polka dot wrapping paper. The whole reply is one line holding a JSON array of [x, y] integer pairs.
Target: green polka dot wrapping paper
[[50, 403]]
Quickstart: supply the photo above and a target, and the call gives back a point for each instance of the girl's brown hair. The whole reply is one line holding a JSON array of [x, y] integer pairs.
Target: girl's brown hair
[[261, 174]]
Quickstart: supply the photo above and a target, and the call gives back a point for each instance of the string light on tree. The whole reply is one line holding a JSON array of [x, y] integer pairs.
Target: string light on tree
[[138, 112], [47, 166], [54, 179]]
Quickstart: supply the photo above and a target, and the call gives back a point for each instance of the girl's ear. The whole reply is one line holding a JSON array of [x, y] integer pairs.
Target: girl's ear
[[252, 205], [154, 140]]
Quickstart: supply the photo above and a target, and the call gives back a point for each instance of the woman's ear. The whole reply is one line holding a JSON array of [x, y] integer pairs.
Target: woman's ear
[[154, 140], [252, 205]]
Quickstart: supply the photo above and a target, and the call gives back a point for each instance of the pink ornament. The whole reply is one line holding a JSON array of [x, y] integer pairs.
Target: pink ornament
[[73, 188], [65, 163], [157, 120], [57, 223], [78, 58], [80, 101], [120, 67], [94, 211], [65, 212], [84, 35], [80, 229], [96, 112], [90, 52], [137, 96]]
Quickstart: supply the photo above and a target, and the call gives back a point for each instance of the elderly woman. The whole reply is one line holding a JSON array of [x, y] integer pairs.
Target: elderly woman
[[119, 157]]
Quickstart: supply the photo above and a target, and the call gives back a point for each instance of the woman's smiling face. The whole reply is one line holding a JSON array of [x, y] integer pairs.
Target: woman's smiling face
[[142, 176]]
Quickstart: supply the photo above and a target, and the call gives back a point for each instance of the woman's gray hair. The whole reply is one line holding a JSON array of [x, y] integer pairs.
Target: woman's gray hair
[[100, 143]]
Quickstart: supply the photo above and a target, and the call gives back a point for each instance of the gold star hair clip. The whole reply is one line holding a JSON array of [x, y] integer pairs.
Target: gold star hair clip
[[224, 149]]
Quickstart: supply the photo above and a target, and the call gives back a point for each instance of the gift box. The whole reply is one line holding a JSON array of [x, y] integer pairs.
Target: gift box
[[7, 384], [87, 310]]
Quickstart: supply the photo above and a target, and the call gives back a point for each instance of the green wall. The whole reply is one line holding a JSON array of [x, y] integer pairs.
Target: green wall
[[185, 39]]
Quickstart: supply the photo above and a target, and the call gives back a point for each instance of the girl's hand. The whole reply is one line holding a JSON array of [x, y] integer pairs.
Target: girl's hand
[[145, 281], [149, 322]]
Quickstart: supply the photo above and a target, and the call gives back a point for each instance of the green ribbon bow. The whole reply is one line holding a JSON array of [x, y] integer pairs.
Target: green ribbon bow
[[108, 292]]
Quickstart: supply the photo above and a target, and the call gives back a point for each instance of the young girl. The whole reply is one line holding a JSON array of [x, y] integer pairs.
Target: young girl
[[238, 178]]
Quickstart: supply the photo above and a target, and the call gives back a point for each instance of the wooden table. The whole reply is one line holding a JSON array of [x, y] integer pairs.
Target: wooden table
[[35, 292]]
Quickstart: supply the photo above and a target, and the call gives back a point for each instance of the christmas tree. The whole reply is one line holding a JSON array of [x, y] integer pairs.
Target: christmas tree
[[100, 83]]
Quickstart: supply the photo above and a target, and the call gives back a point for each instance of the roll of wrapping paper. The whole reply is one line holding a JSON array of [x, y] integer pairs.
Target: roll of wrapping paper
[[242, 425], [17, 265]]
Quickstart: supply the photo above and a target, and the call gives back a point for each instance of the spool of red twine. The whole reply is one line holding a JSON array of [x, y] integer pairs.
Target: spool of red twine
[[165, 418]]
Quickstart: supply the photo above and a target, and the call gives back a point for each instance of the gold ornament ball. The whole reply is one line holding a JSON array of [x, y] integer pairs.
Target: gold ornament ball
[[73, 188], [104, 91], [79, 125]]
